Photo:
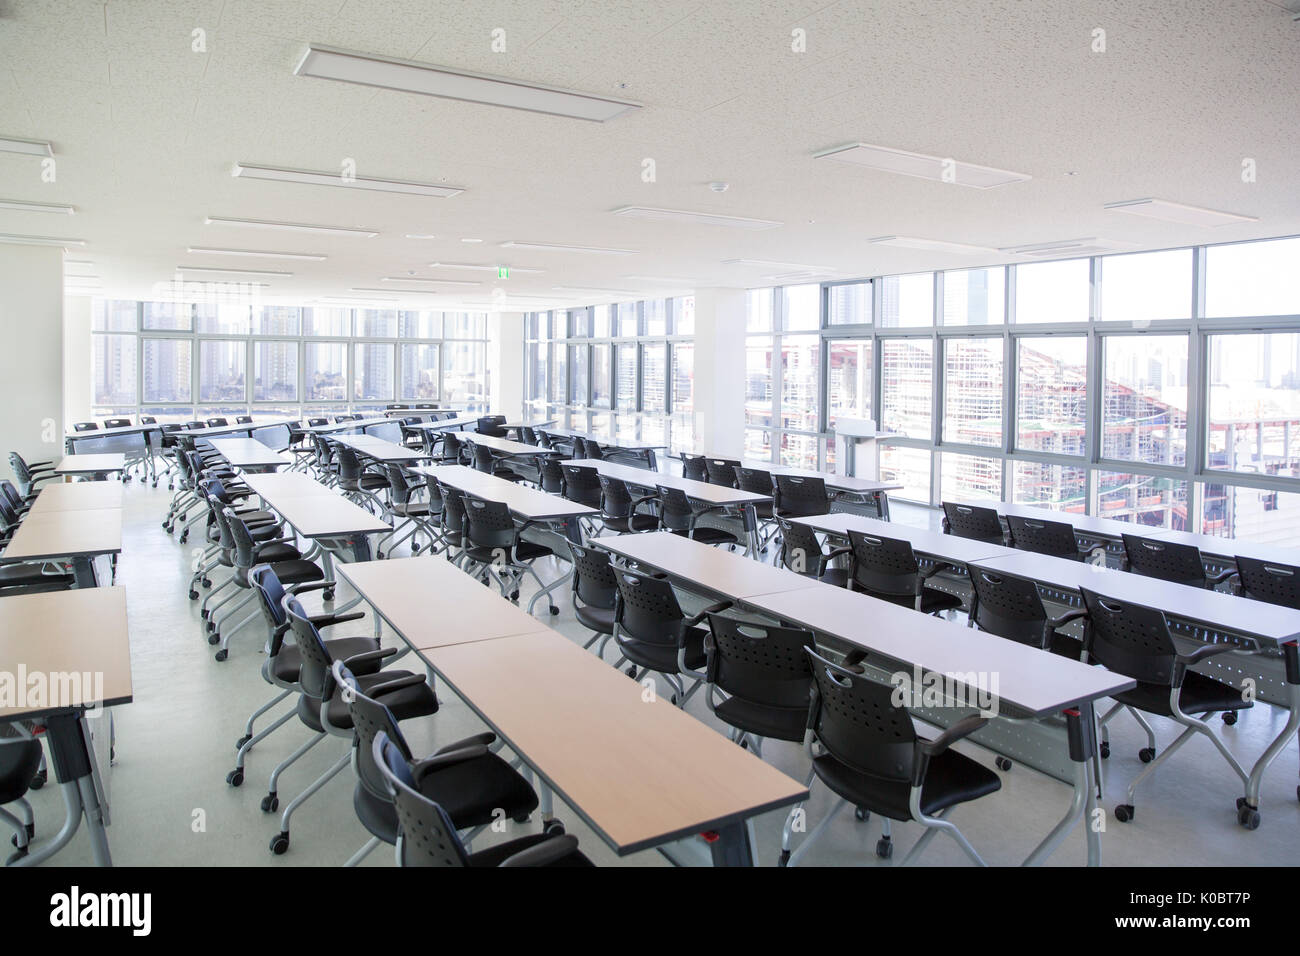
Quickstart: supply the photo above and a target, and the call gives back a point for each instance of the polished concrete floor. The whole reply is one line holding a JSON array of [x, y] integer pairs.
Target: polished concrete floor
[[171, 805]]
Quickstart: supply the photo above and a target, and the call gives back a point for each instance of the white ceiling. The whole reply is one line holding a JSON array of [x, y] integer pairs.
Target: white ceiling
[[145, 131]]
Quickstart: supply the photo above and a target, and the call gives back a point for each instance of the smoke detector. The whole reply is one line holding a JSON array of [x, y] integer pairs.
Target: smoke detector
[[719, 187]]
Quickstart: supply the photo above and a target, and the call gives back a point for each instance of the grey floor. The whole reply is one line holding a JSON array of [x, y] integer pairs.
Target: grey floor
[[175, 743]]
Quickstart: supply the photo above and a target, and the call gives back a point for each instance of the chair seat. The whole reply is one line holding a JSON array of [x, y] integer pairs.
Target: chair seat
[[270, 553], [712, 536], [631, 523], [839, 577], [288, 663], [411, 509], [663, 657], [524, 551], [18, 763], [952, 778], [365, 483], [297, 572], [496, 855], [781, 723], [27, 575], [600, 619], [932, 599], [507, 474], [1199, 695], [1063, 645], [418, 700]]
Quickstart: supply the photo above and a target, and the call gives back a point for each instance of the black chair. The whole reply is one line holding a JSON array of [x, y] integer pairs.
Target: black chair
[[679, 514], [871, 756], [495, 549], [453, 521], [655, 636], [722, 471], [427, 834], [20, 758], [1011, 607], [217, 422], [85, 426], [693, 467], [763, 672], [550, 475], [759, 482], [1269, 581], [1170, 561], [974, 522], [454, 450], [29, 474], [618, 508], [594, 593], [581, 484], [802, 553], [801, 496], [415, 516], [886, 568], [117, 423], [527, 435], [489, 425], [488, 461], [243, 419], [1041, 536], [359, 482], [1135, 642], [148, 420]]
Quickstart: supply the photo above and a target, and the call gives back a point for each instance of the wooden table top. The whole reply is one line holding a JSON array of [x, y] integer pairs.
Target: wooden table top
[[247, 452], [66, 534], [56, 633], [446, 423], [289, 484], [645, 478], [720, 572], [378, 448], [526, 503], [933, 544], [90, 464], [639, 772], [325, 516], [78, 496]]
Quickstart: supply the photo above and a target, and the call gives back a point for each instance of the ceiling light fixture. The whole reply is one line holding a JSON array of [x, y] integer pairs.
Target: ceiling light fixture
[[1177, 212], [203, 250], [921, 166], [765, 263], [420, 235], [22, 206], [478, 268], [289, 226], [1067, 248], [430, 281], [695, 218], [408, 76], [311, 178], [236, 272], [666, 280], [585, 290], [932, 245], [29, 147], [401, 291], [555, 247], [41, 240]]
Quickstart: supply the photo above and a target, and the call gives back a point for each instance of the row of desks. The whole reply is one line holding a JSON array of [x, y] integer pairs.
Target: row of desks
[[75, 522]]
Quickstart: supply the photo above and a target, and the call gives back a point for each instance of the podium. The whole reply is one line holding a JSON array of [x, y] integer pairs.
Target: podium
[[857, 448]]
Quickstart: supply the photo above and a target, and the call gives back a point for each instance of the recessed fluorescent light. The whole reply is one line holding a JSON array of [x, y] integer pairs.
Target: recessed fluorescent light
[[402, 291], [471, 240], [358, 298], [665, 280], [934, 245], [31, 147], [420, 235], [764, 263], [237, 272], [428, 281], [41, 241], [554, 247], [311, 178], [407, 76], [22, 206], [1177, 212], [795, 276], [584, 290], [477, 268], [290, 226], [203, 250], [697, 218], [1068, 248], [921, 165]]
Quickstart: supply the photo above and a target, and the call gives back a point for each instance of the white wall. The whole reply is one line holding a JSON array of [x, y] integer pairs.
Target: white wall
[[31, 386], [77, 359], [505, 364], [720, 372]]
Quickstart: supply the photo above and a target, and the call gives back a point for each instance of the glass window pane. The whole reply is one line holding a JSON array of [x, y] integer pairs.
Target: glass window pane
[[654, 377], [112, 315], [975, 296], [372, 371], [683, 423], [326, 372], [801, 305], [907, 387], [1142, 499], [222, 371], [1253, 278], [1055, 487], [577, 375], [909, 467], [600, 376], [656, 317], [627, 319], [464, 374], [275, 371], [376, 324], [419, 371], [970, 478], [849, 304], [758, 444], [1147, 286], [166, 370], [758, 310], [560, 375], [168, 316], [1251, 514], [600, 321], [114, 370], [1051, 394], [1255, 403], [327, 321], [758, 382], [800, 382], [684, 315], [1053, 291], [539, 354], [625, 377], [972, 391], [472, 325], [277, 320], [579, 323], [223, 318], [1144, 402], [848, 380], [907, 300], [420, 325], [798, 451]]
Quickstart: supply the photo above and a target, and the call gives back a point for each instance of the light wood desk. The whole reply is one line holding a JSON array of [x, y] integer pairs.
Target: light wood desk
[[288, 485], [78, 496], [80, 536], [326, 516], [526, 503], [248, 454], [94, 465], [931, 544], [379, 449], [78, 640]]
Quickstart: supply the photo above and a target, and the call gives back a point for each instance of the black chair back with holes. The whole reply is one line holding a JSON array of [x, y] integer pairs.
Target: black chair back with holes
[[552, 475], [694, 468], [754, 480], [1269, 581], [317, 422], [483, 459], [488, 425], [1044, 537], [399, 484], [453, 448], [428, 837], [581, 484], [350, 469], [800, 550], [762, 664], [270, 601], [675, 511], [856, 720], [616, 500], [1009, 607], [316, 678], [801, 495], [489, 524], [884, 567], [1166, 560], [217, 422], [85, 427], [972, 521], [527, 435], [147, 420], [722, 471], [647, 609], [594, 581], [1129, 640], [324, 450], [243, 419], [453, 511], [434, 489], [370, 718], [245, 547], [117, 423]]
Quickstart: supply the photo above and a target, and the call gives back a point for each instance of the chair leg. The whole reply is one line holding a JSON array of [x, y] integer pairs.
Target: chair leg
[[280, 843], [253, 740], [364, 852], [271, 801], [252, 719], [934, 825]]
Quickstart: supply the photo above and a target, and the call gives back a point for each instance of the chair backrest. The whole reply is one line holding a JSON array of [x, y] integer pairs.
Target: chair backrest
[[800, 550], [1166, 560], [1009, 607], [488, 425], [527, 435], [85, 426], [428, 837], [399, 484], [1127, 639], [217, 422], [452, 448], [245, 548], [581, 484], [675, 511], [484, 460], [594, 581], [270, 601], [693, 467], [856, 719], [1044, 537], [489, 524], [883, 566], [552, 475], [647, 608], [754, 480], [315, 677], [243, 419], [972, 521], [10, 494], [802, 495], [117, 423], [147, 420], [349, 463], [317, 422], [370, 718], [342, 418], [616, 500], [722, 471], [453, 510], [760, 663], [1269, 581], [544, 439]]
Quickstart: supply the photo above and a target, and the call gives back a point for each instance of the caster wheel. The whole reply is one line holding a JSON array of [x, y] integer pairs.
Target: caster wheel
[[207, 582], [279, 843], [861, 814], [784, 858], [1297, 792], [554, 610], [270, 803], [1147, 754], [184, 537], [194, 595], [673, 700], [415, 550], [379, 555], [222, 654], [1241, 802], [514, 595], [39, 779], [1002, 763], [235, 778], [15, 857], [1105, 750], [327, 595], [1124, 812], [1229, 717], [631, 672], [239, 744], [1248, 817], [214, 638], [885, 848], [522, 818], [553, 828]]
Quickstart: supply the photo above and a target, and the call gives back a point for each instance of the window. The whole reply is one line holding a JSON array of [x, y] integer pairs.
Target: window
[[758, 382], [334, 322], [907, 387], [849, 304], [683, 358], [113, 316], [559, 375], [372, 370], [326, 375], [758, 310], [1144, 399], [601, 376], [166, 370], [1253, 514], [577, 375], [654, 377], [627, 319], [975, 296], [600, 320], [1254, 403], [1053, 291], [538, 353], [1055, 487], [275, 371], [969, 478], [167, 317], [114, 369], [464, 372], [800, 383], [277, 320], [972, 391], [1149, 500], [656, 317], [909, 467], [801, 307], [1146, 287], [418, 367], [684, 315], [420, 325], [907, 300], [470, 325], [1253, 278], [1051, 394], [625, 376], [222, 371], [798, 451], [376, 324], [223, 318], [848, 380]]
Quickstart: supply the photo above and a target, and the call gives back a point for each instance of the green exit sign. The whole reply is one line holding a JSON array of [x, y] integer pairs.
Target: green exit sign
[[503, 272]]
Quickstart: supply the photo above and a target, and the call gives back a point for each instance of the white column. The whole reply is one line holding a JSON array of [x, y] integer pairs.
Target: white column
[[505, 363], [31, 317], [77, 359], [720, 372]]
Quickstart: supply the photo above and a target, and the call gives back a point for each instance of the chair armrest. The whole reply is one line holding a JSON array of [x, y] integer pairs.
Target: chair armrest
[[486, 739], [312, 586], [548, 851], [394, 685], [923, 750], [938, 566], [1066, 618], [1222, 576], [329, 620], [443, 759], [1183, 661], [368, 656], [711, 609]]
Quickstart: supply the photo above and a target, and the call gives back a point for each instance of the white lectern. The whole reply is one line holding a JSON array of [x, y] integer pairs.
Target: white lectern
[[857, 448]]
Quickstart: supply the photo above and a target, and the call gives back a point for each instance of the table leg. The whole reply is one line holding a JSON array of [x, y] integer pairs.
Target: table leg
[[1256, 779], [733, 845], [750, 515], [83, 572], [1083, 801]]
